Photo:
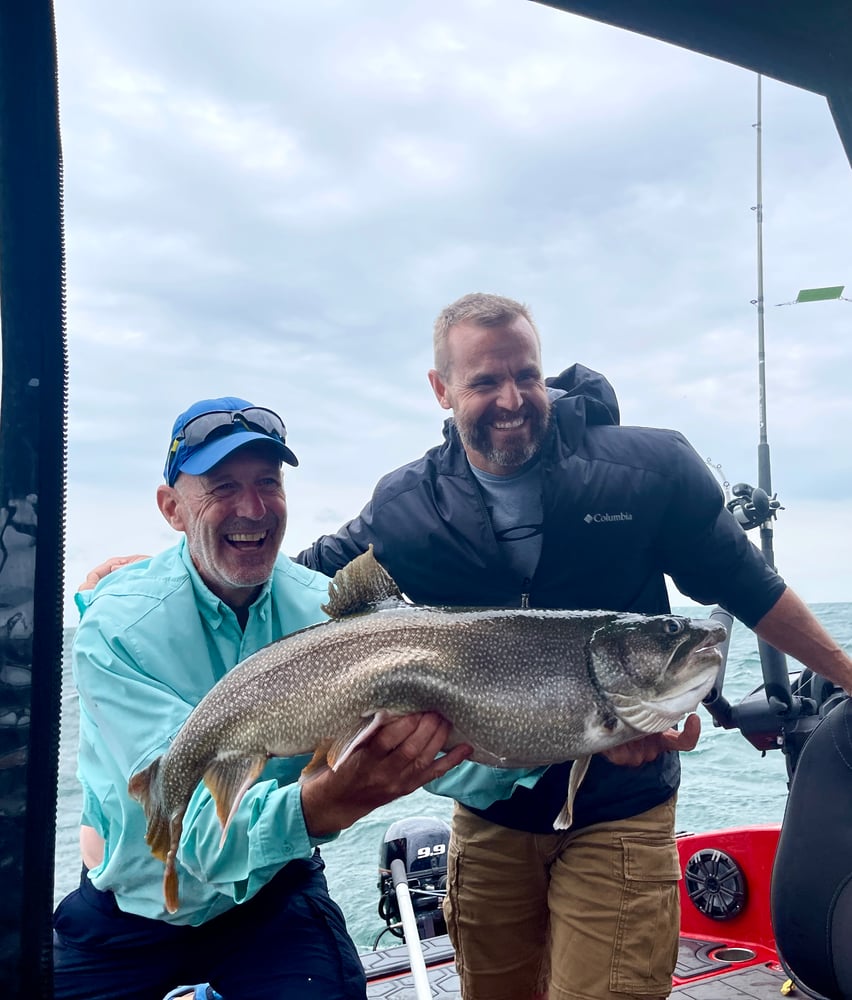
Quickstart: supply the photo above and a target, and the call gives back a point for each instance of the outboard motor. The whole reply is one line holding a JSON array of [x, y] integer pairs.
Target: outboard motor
[[421, 844], [811, 897]]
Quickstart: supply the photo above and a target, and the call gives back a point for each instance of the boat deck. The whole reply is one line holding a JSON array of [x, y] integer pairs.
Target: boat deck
[[700, 974]]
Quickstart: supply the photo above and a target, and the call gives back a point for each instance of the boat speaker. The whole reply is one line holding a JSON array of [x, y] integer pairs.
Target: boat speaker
[[715, 884]]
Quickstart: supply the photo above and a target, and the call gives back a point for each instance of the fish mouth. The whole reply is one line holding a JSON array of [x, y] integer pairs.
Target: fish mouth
[[715, 634], [701, 647], [699, 665]]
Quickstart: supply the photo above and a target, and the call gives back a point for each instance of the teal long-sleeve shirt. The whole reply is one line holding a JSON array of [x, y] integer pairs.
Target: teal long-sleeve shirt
[[151, 643]]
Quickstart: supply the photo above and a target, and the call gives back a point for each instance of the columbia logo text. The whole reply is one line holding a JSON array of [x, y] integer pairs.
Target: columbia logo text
[[604, 518]]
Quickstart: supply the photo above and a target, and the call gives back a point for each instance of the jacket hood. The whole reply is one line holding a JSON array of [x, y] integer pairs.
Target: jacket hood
[[598, 396]]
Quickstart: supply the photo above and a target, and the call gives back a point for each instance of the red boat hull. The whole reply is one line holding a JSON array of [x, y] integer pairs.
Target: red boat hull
[[732, 952], [724, 895]]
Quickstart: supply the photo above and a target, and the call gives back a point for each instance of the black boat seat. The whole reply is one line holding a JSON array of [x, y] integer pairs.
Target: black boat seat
[[811, 895]]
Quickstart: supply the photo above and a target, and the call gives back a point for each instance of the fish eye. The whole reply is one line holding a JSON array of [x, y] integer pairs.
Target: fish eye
[[673, 626]]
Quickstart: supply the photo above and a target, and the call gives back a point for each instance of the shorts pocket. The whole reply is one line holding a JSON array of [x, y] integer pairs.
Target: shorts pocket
[[646, 936]]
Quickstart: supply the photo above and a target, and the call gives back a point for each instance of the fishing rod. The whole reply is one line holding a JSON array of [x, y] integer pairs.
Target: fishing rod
[[768, 717], [773, 662]]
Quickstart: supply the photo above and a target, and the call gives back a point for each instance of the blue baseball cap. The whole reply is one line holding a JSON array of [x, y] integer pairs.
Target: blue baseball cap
[[211, 429]]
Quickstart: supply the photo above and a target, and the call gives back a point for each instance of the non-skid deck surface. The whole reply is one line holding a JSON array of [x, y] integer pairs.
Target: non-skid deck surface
[[756, 982], [390, 979]]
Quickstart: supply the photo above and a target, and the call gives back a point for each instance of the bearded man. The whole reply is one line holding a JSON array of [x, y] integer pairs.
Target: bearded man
[[538, 498]]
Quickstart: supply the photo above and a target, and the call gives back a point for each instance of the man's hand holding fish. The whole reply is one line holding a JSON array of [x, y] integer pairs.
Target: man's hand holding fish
[[400, 757], [648, 748]]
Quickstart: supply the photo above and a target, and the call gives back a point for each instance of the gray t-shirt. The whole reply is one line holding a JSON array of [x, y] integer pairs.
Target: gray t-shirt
[[514, 506]]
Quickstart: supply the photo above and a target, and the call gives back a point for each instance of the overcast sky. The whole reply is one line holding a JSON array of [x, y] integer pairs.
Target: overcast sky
[[274, 200]]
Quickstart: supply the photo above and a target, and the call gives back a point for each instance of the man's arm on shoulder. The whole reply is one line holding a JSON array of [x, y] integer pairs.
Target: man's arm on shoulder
[[94, 576]]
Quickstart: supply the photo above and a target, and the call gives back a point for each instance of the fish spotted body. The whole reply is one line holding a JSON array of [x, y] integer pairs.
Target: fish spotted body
[[524, 688]]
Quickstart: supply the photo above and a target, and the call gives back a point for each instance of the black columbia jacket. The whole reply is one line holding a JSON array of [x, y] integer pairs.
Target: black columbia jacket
[[622, 507]]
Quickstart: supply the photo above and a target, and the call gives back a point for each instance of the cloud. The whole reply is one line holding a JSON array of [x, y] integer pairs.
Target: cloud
[[274, 201]]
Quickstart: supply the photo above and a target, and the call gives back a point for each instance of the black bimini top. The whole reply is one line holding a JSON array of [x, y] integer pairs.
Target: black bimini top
[[806, 44]]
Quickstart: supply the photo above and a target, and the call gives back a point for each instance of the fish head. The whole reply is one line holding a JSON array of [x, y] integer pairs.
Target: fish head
[[653, 670]]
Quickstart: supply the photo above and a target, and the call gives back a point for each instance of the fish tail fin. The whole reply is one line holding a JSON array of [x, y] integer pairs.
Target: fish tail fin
[[170, 883], [228, 781], [578, 772], [163, 833], [145, 787]]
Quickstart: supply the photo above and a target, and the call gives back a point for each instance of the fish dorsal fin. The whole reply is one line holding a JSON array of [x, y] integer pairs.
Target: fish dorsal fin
[[359, 586]]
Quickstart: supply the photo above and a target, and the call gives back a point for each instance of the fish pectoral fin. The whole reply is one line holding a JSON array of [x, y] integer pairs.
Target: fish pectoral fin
[[566, 813], [348, 742], [319, 762], [333, 751], [228, 779]]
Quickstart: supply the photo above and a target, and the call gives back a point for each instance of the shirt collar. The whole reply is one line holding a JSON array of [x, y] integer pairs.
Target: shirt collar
[[212, 608]]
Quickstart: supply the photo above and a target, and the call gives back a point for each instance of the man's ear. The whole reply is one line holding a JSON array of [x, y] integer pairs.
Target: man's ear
[[170, 507], [439, 387]]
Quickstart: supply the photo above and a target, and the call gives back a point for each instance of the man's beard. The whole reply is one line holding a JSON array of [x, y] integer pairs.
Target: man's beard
[[476, 437]]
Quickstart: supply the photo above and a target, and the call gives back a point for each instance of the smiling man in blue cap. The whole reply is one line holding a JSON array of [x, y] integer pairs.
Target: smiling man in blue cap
[[234, 530], [255, 919]]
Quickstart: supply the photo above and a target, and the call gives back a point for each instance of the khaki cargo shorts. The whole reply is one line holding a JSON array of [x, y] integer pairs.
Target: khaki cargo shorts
[[590, 915]]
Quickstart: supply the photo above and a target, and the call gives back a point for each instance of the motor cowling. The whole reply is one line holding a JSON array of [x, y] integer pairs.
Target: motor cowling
[[422, 844]]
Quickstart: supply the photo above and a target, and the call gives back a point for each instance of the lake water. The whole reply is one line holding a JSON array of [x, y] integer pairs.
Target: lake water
[[725, 782]]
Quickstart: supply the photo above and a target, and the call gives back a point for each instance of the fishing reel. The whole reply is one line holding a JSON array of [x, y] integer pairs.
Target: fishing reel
[[421, 843], [752, 506]]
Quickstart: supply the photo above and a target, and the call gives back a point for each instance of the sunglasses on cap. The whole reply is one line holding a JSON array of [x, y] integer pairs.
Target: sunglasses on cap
[[200, 429], [219, 423]]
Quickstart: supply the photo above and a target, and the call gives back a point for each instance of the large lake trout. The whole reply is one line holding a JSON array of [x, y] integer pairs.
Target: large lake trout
[[523, 687]]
